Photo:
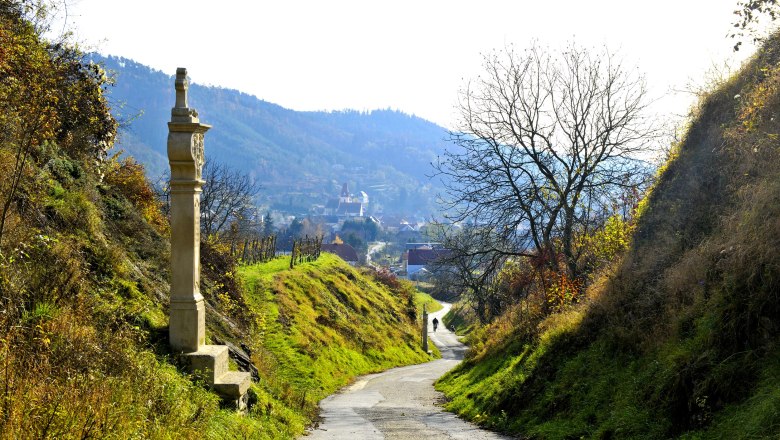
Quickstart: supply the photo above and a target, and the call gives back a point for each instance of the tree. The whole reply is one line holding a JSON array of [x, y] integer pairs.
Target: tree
[[545, 142], [468, 270], [50, 99], [750, 13], [228, 195], [268, 224], [299, 229], [355, 240], [365, 229]]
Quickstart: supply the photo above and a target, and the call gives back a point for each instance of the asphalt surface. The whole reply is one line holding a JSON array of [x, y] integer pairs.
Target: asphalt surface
[[400, 403]]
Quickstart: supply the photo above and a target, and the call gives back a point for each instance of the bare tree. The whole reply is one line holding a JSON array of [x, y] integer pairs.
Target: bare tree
[[469, 268], [228, 195], [544, 141]]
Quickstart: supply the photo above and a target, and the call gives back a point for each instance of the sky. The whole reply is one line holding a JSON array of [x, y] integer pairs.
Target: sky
[[412, 56]]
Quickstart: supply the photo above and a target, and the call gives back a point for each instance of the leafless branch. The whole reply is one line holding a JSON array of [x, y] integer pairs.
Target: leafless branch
[[543, 140]]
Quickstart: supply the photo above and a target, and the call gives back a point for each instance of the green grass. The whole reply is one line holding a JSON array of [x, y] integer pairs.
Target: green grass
[[459, 318], [754, 418], [570, 392], [422, 298], [320, 325]]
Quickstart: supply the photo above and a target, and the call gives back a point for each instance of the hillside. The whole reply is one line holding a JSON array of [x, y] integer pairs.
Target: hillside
[[680, 337], [317, 327], [300, 158], [84, 293]]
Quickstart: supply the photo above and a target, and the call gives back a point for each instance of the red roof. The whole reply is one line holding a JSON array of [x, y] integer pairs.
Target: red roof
[[422, 257], [345, 251]]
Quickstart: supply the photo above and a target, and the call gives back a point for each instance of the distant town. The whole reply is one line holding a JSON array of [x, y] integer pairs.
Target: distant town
[[405, 244]]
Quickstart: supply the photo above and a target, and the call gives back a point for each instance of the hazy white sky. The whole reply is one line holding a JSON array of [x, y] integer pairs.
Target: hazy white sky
[[407, 55]]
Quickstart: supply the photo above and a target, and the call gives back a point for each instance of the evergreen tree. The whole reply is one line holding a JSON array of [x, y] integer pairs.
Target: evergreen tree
[[268, 224]]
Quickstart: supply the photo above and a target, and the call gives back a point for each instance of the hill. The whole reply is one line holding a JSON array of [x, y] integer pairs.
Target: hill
[[317, 327], [84, 284], [300, 158], [680, 337]]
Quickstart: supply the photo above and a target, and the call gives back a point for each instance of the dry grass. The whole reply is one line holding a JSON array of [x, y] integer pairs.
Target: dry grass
[[680, 337]]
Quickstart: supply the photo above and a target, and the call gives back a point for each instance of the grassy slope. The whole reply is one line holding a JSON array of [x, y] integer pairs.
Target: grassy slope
[[322, 324], [313, 329], [431, 305], [681, 338]]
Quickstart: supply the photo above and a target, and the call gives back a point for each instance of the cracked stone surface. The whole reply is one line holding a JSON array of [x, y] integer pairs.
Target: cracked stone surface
[[401, 403]]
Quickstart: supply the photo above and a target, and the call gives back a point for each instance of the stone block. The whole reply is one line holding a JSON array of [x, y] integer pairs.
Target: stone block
[[233, 384], [210, 361], [232, 387], [187, 325]]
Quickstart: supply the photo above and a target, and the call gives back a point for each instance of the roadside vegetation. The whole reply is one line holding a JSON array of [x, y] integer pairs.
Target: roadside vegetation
[[320, 325], [674, 334]]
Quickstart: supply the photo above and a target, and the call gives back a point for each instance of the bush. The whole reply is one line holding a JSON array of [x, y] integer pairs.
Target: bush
[[129, 178]]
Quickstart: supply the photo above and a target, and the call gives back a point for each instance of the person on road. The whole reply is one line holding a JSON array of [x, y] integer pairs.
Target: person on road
[[435, 324]]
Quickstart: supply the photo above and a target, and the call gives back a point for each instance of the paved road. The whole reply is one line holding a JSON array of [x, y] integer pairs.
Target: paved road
[[372, 249], [399, 403]]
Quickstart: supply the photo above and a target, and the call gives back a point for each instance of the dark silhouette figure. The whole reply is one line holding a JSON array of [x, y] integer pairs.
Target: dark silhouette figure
[[435, 324]]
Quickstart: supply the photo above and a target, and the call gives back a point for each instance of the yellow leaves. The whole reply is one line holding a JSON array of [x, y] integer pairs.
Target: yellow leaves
[[42, 336], [613, 238], [227, 303], [562, 290], [27, 93], [754, 103], [129, 177]]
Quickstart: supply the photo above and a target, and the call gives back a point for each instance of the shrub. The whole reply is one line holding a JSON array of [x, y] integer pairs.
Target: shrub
[[129, 178]]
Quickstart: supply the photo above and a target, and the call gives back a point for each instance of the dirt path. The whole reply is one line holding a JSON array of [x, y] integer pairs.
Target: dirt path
[[399, 403]]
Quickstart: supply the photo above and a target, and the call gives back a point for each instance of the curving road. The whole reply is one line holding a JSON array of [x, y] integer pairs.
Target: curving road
[[399, 403], [372, 249]]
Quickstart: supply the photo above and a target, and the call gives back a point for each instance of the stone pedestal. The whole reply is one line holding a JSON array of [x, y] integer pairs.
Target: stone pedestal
[[187, 330]]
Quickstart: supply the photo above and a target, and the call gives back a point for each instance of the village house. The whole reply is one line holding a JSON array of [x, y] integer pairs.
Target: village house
[[422, 259], [343, 250]]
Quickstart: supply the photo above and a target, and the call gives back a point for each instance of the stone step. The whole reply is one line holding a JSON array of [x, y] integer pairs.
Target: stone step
[[233, 383], [232, 387], [210, 361]]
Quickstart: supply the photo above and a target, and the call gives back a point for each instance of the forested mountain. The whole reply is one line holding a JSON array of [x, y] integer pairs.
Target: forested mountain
[[300, 158]]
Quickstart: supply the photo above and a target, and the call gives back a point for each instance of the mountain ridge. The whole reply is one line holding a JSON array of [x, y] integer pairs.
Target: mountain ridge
[[298, 157]]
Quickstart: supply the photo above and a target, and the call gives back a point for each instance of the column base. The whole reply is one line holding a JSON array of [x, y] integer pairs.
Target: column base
[[187, 327]]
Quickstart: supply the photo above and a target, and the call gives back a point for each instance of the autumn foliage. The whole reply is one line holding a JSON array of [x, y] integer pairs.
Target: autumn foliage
[[678, 336], [128, 176]]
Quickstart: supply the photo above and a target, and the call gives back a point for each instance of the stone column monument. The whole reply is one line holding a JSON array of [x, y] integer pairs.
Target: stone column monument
[[185, 153], [187, 329]]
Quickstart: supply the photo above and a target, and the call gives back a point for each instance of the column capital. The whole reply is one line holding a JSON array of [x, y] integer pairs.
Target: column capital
[[181, 112]]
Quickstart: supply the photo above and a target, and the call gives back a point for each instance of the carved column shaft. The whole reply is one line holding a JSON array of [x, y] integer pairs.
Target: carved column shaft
[[187, 329]]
